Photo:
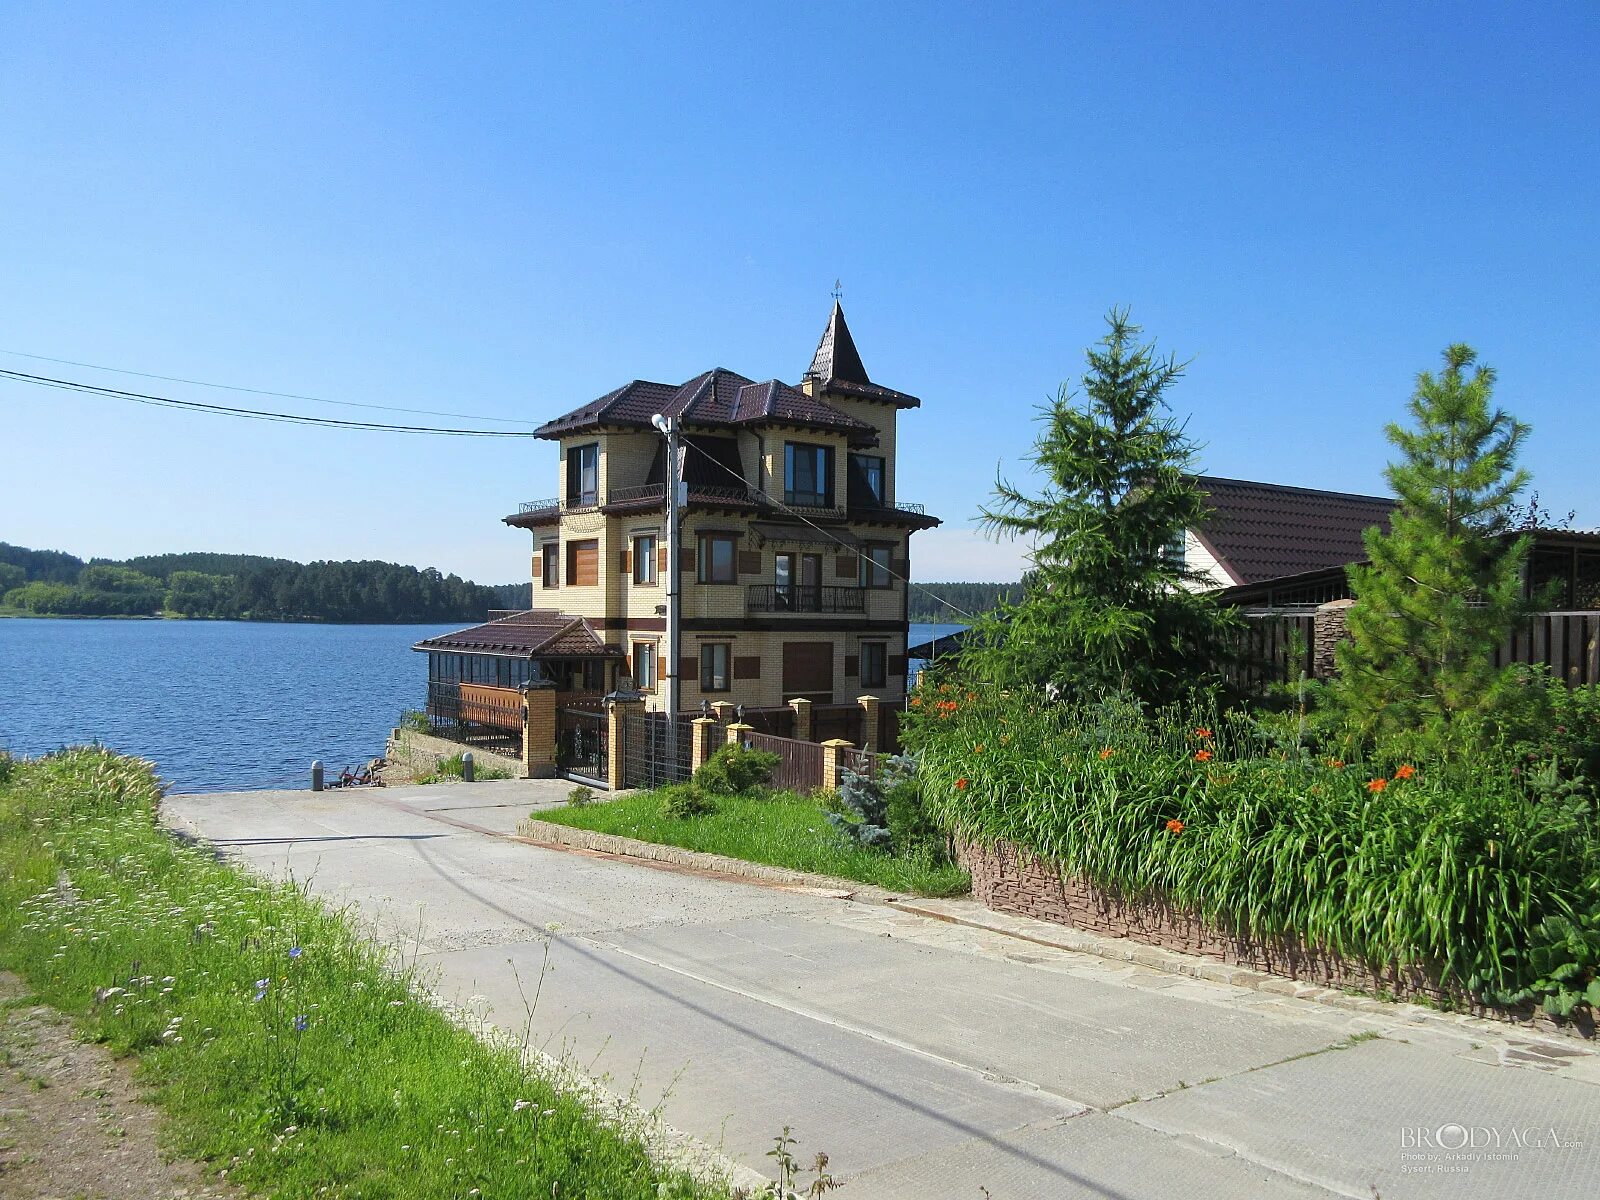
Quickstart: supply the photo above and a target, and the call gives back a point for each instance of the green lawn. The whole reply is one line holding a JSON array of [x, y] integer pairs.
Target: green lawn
[[780, 830], [288, 1051]]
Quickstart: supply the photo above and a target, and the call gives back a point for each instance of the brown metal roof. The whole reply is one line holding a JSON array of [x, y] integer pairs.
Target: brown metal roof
[[1267, 530], [716, 398], [537, 633], [838, 368]]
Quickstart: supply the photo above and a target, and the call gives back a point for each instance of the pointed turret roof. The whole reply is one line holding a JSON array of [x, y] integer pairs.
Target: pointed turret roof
[[837, 367]]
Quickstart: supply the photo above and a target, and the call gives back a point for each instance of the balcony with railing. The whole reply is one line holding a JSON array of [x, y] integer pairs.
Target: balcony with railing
[[804, 598], [649, 495]]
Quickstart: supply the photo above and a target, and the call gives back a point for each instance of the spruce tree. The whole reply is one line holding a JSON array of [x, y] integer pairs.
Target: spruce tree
[[1444, 585], [1106, 607]]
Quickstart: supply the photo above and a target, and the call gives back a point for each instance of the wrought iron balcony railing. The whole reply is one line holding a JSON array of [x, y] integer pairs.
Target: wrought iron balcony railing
[[802, 598]]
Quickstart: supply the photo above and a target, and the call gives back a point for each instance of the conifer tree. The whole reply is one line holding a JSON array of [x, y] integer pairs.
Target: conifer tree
[[1105, 608], [1444, 587]]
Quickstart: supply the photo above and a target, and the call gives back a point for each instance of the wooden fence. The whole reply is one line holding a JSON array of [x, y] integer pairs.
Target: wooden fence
[[799, 763], [1566, 642]]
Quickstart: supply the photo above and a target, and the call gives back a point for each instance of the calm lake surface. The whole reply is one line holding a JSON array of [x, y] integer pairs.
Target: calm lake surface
[[217, 705]]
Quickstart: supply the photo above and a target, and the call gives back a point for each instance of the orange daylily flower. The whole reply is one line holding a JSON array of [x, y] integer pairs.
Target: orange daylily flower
[[1377, 785], [1336, 763], [978, 749], [1106, 753], [961, 784], [915, 701], [1174, 826], [1203, 733], [1405, 771], [1202, 756]]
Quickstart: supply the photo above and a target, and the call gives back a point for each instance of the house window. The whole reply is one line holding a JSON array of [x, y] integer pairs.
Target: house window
[[718, 559], [866, 480], [874, 664], [1176, 550], [875, 562], [644, 666], [551, 569], [644, 558], [714, 673], [808, 475], [583, 475], [583, 563]]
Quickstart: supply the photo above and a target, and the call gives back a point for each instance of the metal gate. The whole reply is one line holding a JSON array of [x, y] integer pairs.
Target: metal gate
[[583, 750], [656, 750]]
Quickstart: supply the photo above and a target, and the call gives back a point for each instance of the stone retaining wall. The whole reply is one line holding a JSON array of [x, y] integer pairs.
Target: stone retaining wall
[[1010, 880], [422, 752]]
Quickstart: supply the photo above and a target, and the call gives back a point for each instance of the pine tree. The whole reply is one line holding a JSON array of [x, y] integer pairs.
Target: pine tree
[[1444, 588], [1105, 608]]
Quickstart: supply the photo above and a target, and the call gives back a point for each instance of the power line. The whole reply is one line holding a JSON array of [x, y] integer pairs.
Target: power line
[[252, 413], [228, 387], [905, 579]]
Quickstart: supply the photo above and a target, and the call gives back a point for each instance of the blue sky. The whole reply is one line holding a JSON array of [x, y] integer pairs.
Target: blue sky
[[507, 210]]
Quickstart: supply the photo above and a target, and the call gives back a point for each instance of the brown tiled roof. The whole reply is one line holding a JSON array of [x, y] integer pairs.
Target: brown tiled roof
[[1265, 530], [716, 398], [537, 633], [837, 366]]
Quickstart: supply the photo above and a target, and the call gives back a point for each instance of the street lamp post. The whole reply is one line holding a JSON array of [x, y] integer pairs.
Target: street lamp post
[[670, 429]]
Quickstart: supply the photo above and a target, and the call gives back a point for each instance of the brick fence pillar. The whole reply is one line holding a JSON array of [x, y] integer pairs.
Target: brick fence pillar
[[619, 707], [1329, 630], [723, 709], [802, 718], [736, 733], [705, 733], [870, 728], [830, 760], [539, 731]]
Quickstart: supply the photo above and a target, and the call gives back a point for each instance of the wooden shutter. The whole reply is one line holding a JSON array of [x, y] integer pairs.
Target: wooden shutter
[[897, 665], [852, 666], [807, 667], [538, 565], [626, 558], [661, 560], [749, 562], [844, 567], [583, 563], [686, 559], [747, 667], [689, 668]]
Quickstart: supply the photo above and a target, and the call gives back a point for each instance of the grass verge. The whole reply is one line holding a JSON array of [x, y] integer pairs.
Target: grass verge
[[779, 829], [286, 1051]]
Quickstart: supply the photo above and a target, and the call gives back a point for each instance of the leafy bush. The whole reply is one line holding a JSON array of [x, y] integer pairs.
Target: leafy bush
[[414, 720], [8, 767], [912, 830], [580, 797], [865, 816], [683, 800], [1470, 874], [733, 770]]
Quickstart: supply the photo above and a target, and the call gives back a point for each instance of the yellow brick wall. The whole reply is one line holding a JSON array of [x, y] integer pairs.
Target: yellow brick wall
[[767, 692], [881, 417]]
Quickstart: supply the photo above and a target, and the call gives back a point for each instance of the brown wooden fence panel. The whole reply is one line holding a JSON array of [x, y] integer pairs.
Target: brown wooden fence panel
[[494, 707], [862, 762], [799, 766], [1274, 647], [836, 721], [1566, 642]]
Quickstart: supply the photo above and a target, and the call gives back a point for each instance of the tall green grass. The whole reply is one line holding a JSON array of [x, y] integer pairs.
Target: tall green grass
[[1466, 873], [288, 1052]]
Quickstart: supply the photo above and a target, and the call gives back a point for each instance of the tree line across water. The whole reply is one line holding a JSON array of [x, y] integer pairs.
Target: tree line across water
[[242, 587]]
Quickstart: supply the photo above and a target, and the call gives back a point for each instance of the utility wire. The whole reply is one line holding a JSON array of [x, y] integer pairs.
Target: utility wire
[[252, 413], [228, 387], [829, 535]]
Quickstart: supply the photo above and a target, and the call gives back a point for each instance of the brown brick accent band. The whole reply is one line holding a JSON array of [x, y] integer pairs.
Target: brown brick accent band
[[1010, 880]]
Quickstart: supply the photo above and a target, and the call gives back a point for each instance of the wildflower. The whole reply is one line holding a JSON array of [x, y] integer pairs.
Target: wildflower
[[1336, 763], [1377, 785], [961, 784], [521, 1104], [978, 749], [916, 702], [1174, 826], [1405, 771], [261, 988], [295, 952], [1202, 756], [1203, 734], [1106, 753], [971, 696], [300, 1023], [1005, 739]]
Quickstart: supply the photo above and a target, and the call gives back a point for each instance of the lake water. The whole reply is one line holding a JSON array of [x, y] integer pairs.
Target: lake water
[[217, 705]]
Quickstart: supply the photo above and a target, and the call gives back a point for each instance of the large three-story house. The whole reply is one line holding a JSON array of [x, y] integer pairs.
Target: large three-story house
[[795, 546]]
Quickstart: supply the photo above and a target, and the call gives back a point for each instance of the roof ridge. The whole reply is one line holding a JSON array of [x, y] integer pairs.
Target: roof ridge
[[1291, 487]]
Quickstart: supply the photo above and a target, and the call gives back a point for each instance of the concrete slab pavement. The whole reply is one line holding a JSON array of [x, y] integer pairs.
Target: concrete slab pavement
[[927, 1059]]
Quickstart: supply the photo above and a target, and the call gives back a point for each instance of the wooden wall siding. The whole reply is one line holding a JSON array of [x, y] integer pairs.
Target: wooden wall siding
[[747, 666], [807, 667]]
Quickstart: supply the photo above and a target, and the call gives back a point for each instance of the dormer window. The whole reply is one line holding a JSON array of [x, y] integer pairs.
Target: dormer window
[[866, 481], [583, 476], [808, 475]]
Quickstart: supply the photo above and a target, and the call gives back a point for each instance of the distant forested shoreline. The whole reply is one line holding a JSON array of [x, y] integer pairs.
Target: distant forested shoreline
[[973, 598], [245, 587]]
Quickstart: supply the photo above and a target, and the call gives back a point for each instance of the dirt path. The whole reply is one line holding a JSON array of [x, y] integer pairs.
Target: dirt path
[[73, 1123]]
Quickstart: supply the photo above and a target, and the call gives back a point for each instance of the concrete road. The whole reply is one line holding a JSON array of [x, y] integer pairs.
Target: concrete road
[[927, 1059]]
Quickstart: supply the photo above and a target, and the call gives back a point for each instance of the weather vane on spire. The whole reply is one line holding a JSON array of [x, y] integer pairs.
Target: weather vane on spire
[[838, 291]]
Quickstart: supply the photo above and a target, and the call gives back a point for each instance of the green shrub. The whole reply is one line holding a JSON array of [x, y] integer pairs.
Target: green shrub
[[683, 800], [415, 721], [580, 797], [913, 832], [733, 770], [8, 767], [1467, 872], [865, 819]]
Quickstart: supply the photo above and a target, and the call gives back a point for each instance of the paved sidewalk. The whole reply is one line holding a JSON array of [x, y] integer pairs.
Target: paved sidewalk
[[928, 1059]]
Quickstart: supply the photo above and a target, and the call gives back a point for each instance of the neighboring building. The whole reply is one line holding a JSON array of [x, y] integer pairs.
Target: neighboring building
[[795, 544]]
